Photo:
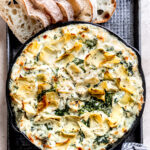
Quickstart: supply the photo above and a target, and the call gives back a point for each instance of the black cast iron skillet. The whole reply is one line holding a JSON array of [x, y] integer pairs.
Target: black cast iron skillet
[[51, 27]]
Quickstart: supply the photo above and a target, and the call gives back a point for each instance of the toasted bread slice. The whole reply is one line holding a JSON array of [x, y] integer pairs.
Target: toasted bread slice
[[105, 9], [94, 4], [77, 6], [66, 9], [22, 26], [35, 13], [51, 8], [87, 12]]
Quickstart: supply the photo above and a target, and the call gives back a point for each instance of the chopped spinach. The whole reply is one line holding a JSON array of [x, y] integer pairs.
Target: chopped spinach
[[78, 61], [128, 66], [57, 69], [37, 57], [89, 106], [87, 123], [123, 62], [16, 87], [32, 128], [126, 112], [130, 69], [39, 97], [88, 85], [103, 70], [55, 72], [101, 139], [27, 72], [115, 100], [110, 49], [62, 112], [73, 145], [96, 85], [91, 43], [108, 98], [82, 67], [82, 136], [85, 28], [119, 53], [55, 37], [95, 104], [93, 67], [48, 126], [83, 50], [61, 32]]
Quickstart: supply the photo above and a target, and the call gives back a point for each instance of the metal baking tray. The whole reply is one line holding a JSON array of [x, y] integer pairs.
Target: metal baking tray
[[125, 23]]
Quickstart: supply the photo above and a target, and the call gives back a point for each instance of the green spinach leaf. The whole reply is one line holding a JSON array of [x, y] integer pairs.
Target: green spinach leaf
[[110, 49], [128, 66], [62, 112], [101, 139], [78, 61], [91, 43], [82, 136], [95, 104], [87, 123]]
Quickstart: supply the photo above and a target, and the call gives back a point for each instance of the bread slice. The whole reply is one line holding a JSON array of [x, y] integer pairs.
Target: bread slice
[[77, 6], [87, 12], [34, 12], [51, 8], [94, 4], [105, 9], [66, 9], [22, 26]]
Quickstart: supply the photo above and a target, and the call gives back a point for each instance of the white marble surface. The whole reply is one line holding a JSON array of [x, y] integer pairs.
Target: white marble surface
[[145, 42]]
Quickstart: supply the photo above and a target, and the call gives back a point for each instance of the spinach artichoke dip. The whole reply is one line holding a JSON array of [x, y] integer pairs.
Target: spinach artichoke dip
[[76, 87]]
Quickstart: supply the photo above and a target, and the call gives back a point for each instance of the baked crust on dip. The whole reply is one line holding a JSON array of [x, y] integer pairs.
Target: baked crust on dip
[[76, 87]]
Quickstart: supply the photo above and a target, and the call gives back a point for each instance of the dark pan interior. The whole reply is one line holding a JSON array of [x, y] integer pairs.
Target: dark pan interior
[[8, 98]]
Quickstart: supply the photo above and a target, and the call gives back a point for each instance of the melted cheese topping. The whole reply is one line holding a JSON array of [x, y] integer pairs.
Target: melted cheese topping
[[76, 87]]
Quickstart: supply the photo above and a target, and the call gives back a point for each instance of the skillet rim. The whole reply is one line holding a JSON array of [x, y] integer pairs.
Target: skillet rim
[[54, 26]]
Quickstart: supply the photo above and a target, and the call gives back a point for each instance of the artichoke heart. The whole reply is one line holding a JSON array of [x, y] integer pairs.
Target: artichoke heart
[[97, 91]]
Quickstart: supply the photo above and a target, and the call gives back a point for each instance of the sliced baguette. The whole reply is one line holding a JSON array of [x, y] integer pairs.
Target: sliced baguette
[[22, 26], [77, 6], [51, 8], [105, 9], [34, 12], [94, 4], [87, 12], [66, 9]]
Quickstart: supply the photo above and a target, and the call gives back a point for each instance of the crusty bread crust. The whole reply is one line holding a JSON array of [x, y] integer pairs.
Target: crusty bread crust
[[66, 9], [21, 25], [51, 8], [34, 12], [94, 4], [87, 12], [77, 6], [24, 26], [109, 15]]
